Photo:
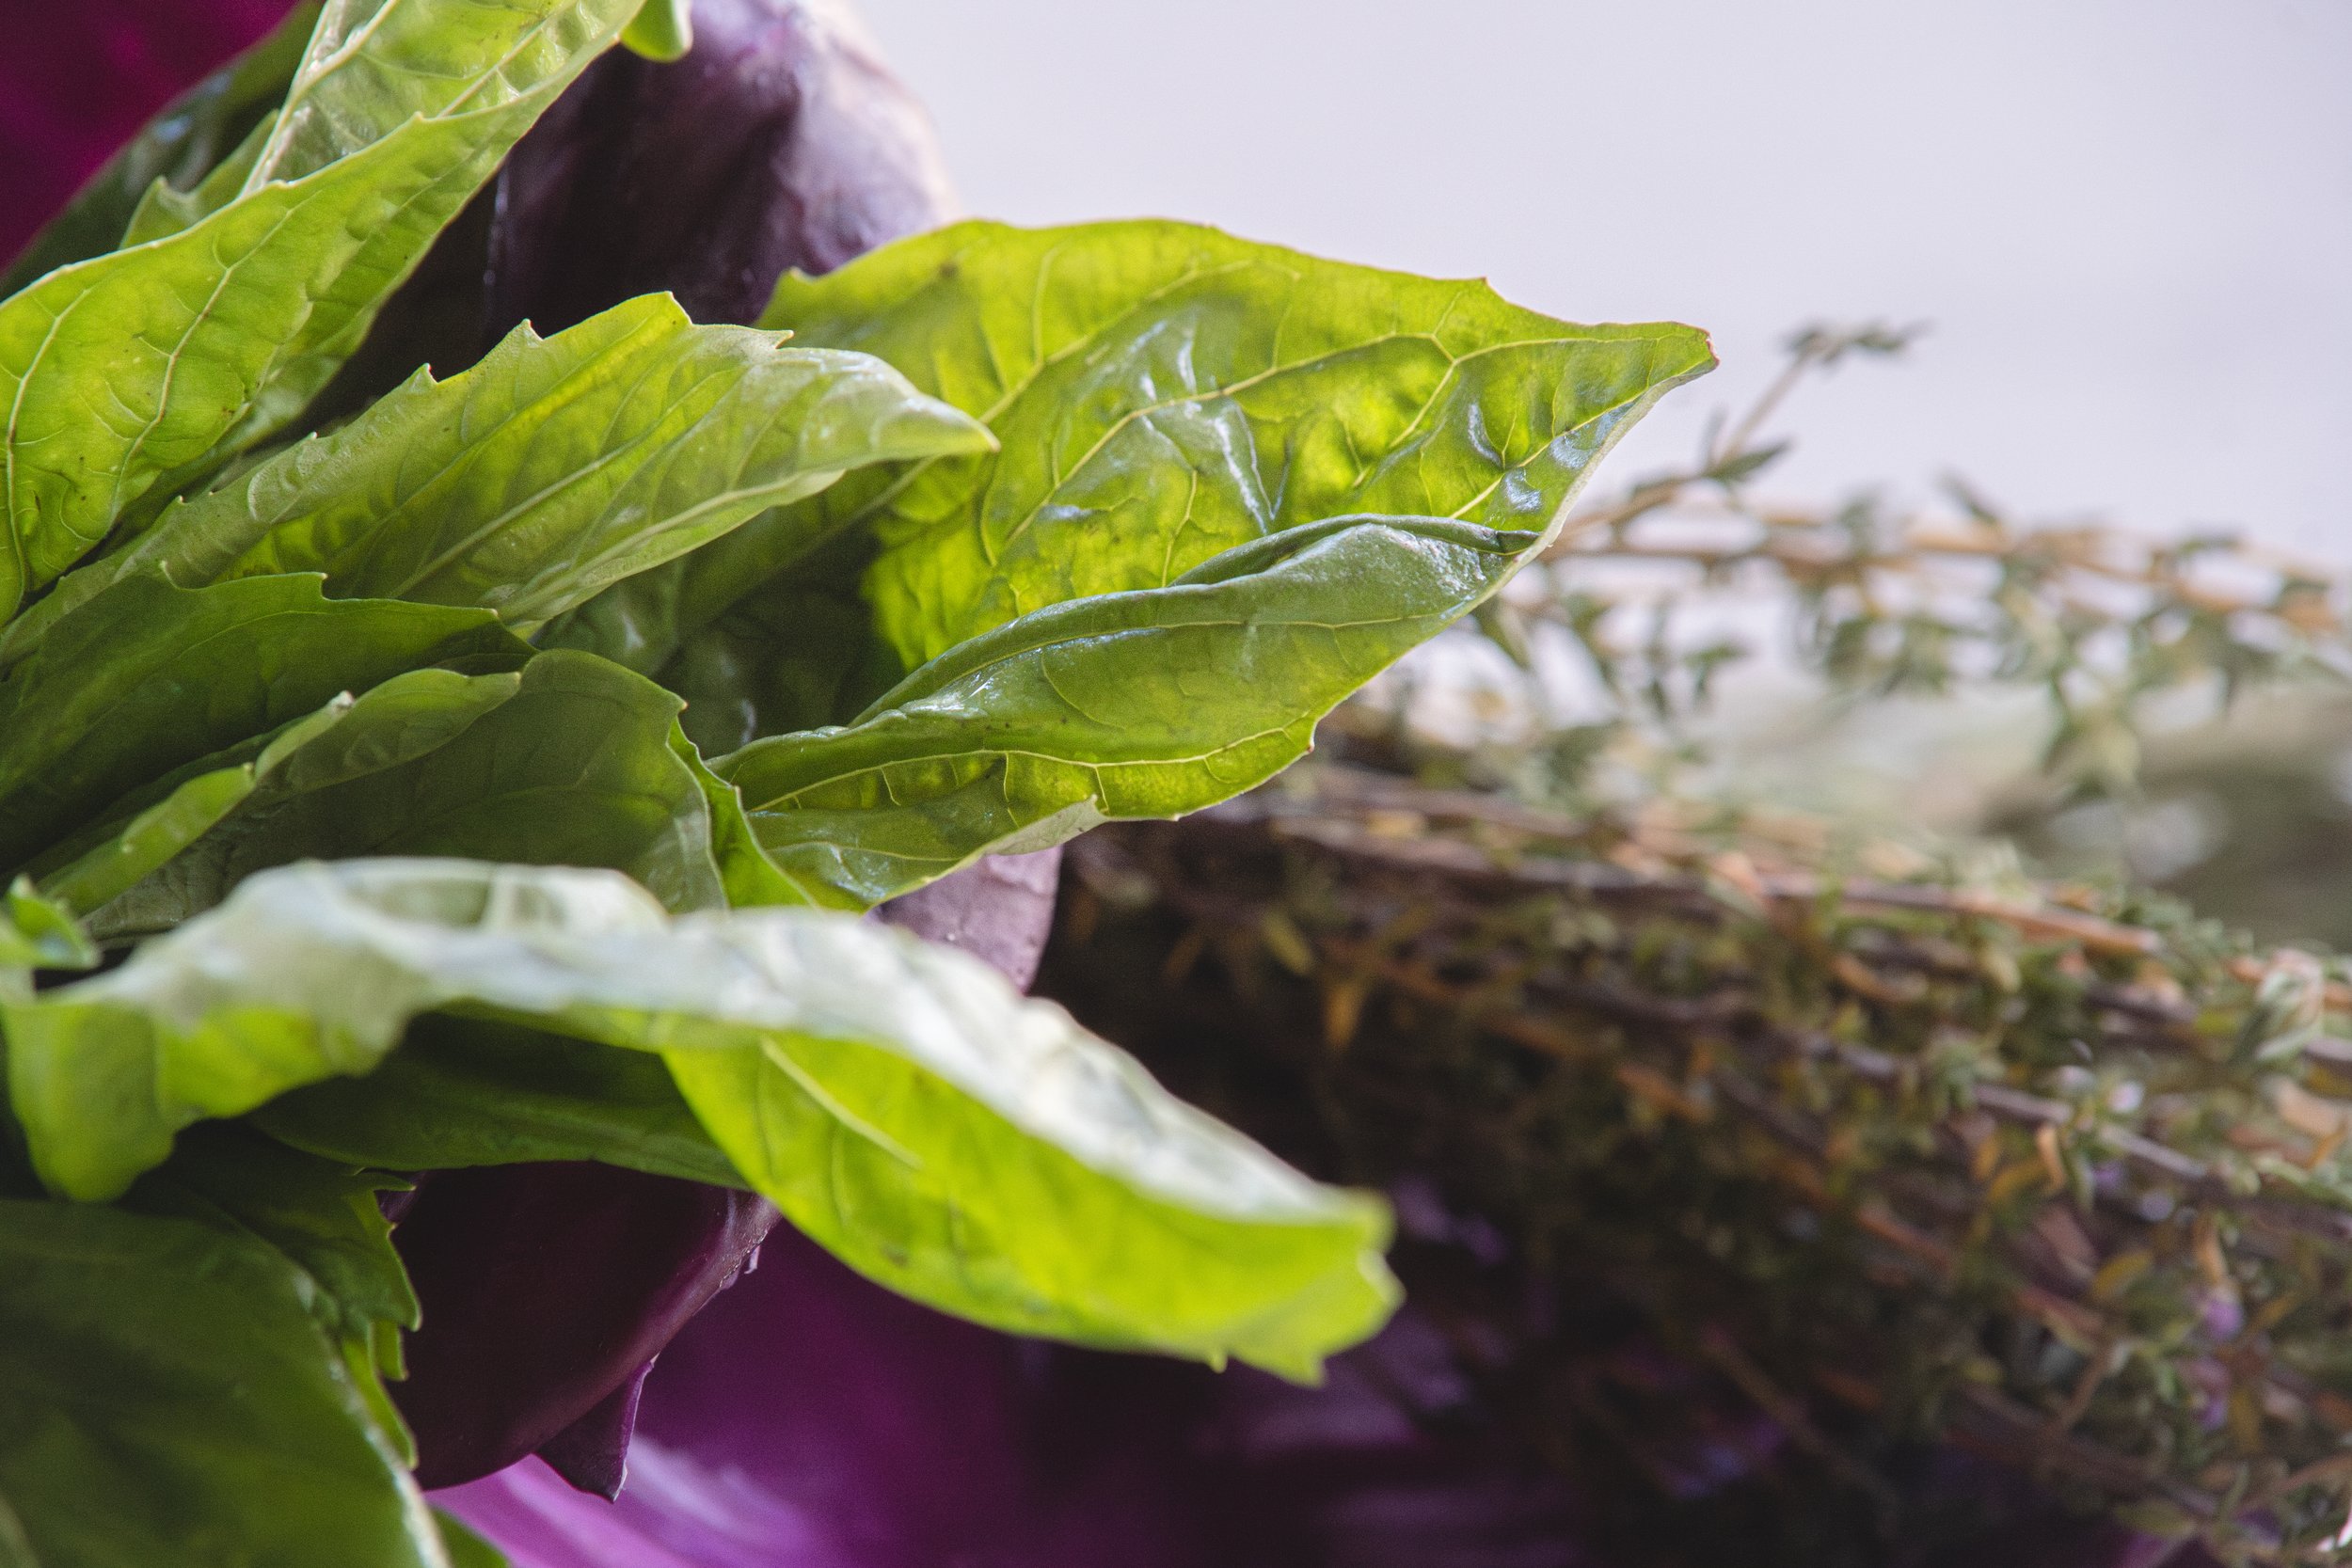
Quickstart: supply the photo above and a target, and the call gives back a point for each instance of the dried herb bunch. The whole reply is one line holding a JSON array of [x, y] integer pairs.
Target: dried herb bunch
[[2055, 1174]]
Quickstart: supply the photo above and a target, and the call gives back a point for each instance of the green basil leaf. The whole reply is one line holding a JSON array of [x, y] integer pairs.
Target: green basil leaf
[[165, 209], [575, 767], [324, 1217], [463, 1091], [133, 373], [181, 145], [120, 853], [750, 874], [390, 724], [664, 30], [321, 1213], [899, 1103], [465, 1549], [552, 470], [1137, 705], [36, 932], [1162, 392], [165, 1388], [147, 678], [375, 65]]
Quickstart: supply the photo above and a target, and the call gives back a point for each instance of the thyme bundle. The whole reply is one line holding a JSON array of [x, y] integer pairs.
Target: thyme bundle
[[2057, 1176]]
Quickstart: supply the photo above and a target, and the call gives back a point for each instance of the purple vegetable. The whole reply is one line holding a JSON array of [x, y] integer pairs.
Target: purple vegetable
[[811, 1419], [779, 141], [1000, 910], [546, 1288]]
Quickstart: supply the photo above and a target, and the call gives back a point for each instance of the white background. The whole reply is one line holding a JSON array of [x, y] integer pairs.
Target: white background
[[2129, 222]]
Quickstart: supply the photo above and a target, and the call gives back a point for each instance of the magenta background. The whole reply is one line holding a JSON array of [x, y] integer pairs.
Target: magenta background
[[78, 77]]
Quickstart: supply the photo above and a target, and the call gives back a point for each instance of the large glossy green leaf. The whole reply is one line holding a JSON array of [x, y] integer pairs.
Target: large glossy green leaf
[[128, 375], [147, 678], [899, 1103], [180, 147], [463, 1091], [322, 1216], [574, 766], [551, 469], [1163, 392], [1134, 705], [166, 1396]]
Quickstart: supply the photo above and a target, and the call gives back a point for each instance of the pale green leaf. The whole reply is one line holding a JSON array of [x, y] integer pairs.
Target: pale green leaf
[[899, 1103], [1162, 392]]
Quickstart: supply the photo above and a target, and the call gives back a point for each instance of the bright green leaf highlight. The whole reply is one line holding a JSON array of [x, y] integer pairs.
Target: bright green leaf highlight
[[899, 1103]]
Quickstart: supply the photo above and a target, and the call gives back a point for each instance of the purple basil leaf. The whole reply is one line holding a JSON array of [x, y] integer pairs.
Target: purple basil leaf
[[779, 141], [544, 1288], [1000, 910], [593, 1453], [809, 1418]]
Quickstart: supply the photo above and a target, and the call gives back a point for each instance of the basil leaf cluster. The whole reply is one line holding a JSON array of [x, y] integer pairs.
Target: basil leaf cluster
[[495, 774]]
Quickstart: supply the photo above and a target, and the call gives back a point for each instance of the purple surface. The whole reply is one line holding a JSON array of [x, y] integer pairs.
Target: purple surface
[[810, 1419], [79, 77]]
